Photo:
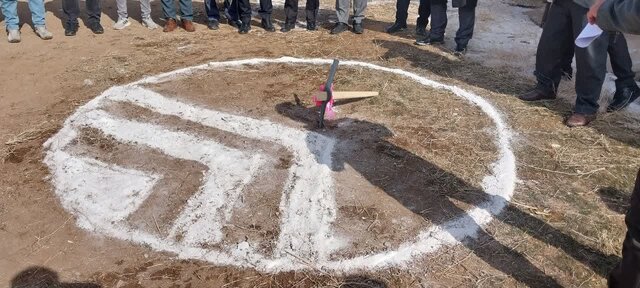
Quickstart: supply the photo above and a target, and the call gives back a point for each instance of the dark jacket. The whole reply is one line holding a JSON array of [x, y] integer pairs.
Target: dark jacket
[[620, 15]]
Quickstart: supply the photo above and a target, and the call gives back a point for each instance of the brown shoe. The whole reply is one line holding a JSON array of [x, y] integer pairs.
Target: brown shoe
[[170, 25], [536, 95], [577, 120], [188, 26]]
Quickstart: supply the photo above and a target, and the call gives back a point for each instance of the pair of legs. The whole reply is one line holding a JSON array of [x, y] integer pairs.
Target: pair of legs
[[241, 10], [123, 15], [291, 12], [627, 272], [402, 12], [71, 9], [467, 18], [12, 22], [342, 10], [564, 23], [186, 10]]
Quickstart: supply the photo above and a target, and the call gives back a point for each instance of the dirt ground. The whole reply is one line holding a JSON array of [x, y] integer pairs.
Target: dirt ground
[[564, 226]]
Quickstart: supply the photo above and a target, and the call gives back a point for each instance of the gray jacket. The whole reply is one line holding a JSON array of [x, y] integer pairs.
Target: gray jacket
[[620, 15]]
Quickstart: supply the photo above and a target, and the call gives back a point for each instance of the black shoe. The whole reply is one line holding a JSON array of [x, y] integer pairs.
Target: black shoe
[[267, 25], [311, 26], [245, 27], [96, 28], [396, 27], [339, 28], [460, 51], [428, 41], [421, 31], [623, 97], [287, 27], [234, 23], [357, 28], [71, 29], [213, 25]]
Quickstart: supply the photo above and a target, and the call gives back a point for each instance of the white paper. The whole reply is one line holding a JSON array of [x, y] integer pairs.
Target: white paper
[[588, 34]]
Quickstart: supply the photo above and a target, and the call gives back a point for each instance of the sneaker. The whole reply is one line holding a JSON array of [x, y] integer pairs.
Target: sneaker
[[460, 51], [339, 28], [71, 29], [357, 28], [428, 41], [396, 27], [148, 22], [96, 28], [623, 97], [245, 27], [311, 26], [43, 33], [213, 25], [13, 35], [121, 24]]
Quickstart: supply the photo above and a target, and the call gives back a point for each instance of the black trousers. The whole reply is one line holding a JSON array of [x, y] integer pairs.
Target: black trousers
[[291, 11], [402, 12], [564, 23], [627, 273], [243, 8], [71, 9], [618, 56], [467, 18]]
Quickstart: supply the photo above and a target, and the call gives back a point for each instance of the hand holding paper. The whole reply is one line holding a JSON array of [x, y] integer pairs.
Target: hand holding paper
[[588, 34]]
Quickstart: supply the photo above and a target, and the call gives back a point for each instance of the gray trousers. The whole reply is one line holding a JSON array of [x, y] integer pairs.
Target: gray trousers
[[342, 9], [145, 7]]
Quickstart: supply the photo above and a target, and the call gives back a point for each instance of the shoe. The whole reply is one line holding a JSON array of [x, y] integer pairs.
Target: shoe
[[234, 23], [96, 28], [71, 29], [121, 24], [170, 25], [287, 27], [460, 51], [623, 97], [536, 95], [339, 28], [267, 25], [421, 31], [396, 27], [148, 22], [428, 41], [578, 120], [13, 35], [311, 26], [43, 33], [213, 25], [245, 27], [357, 28], [188, 26]]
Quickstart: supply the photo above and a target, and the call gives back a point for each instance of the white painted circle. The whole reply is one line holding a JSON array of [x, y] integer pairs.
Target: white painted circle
[[306, 240]]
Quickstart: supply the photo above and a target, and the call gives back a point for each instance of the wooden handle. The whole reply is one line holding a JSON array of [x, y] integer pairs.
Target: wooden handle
[[337, 95]]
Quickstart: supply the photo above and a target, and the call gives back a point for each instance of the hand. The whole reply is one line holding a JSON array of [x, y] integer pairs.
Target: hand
[[592, 15]]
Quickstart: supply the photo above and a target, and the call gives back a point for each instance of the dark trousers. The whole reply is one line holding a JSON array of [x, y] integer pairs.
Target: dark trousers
[[211, 8], [618, 56], [466, 16], [564, 23], [627, 273], [424, 11], [291, 11], [243, 8], [71, 9]]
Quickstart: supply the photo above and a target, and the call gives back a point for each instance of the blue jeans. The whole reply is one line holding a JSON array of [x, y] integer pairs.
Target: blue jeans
[[186, 9], [10, 12]]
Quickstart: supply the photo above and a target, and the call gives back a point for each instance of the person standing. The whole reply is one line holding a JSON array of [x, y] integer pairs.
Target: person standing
[[342, 10], [466, 16], [565, 21], [71, 9], [402, 12], [123, 15], [12, 21], [213, 14], [291, 14], [170, 14], [244, 10]]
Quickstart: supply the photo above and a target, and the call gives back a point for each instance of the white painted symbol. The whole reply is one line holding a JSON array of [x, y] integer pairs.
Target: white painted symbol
[[102, 195]]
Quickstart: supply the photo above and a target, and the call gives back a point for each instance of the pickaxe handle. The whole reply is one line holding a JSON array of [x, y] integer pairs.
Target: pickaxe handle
[[327, 88]]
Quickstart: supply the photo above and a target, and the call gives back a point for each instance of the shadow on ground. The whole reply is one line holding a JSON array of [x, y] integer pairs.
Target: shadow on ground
[[423, 185], [42, 277]]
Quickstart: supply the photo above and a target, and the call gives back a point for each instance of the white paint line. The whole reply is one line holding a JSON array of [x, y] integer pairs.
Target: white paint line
[[305, 205]]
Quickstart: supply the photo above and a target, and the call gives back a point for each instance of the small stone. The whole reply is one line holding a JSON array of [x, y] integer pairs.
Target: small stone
[[146, 255], [88, 82]]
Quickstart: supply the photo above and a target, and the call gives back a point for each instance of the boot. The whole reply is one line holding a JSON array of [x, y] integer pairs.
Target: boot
[[267, 25]]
